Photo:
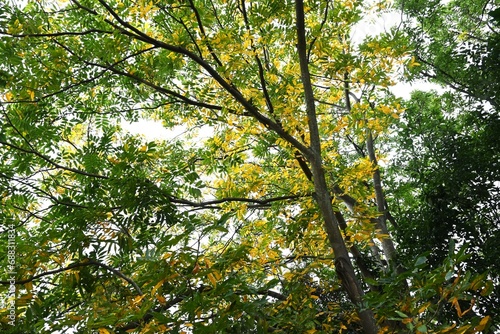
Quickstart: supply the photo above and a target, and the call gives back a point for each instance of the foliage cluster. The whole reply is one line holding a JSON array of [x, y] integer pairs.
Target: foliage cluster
[[281, 219]]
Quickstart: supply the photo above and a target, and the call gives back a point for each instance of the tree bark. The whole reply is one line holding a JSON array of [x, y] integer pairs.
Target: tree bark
[[343, 264], [387, 244]]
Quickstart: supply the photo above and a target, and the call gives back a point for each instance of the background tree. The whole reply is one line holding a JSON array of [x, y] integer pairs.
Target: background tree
[[450, 190], [275, 222], [456, 43], [448, 144]]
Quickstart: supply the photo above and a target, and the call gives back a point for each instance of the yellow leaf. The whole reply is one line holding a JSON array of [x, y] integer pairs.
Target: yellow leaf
[[487, 288], [385, 109], [147, 8], [113, 160], [359, 237], [27, 297], [413, 63], [448, 329], [463, 329], [8, 96], [196, 268], [29, 286], [241, 211], [156, 287], [482, 323], [103, 331], [77, 275], [423, 308], [166, 256], [137, 299], [455, 303], [56, 259], [212, 279]]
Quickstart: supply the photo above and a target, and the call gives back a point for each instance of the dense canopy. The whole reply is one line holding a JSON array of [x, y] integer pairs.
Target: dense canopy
[[294, 190]]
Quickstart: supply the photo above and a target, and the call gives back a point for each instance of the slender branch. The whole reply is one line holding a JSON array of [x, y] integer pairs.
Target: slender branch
[[325, 17], [338, 106], [226, 85], [79, 5], [62, 90], [59, 34], [347, 92], [357, 148], [68, 309], [216, 15], [52, 162], [180, 97], [453, 83], [112, 68], [269, 293], [181, 22], [47, 273], [261, 202], [119, 274], [262, 79], [43, 192], [202, 30], [116, 272], [176, 300]]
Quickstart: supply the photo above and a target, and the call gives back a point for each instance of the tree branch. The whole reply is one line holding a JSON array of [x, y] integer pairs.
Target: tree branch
[[52, 162], [325, 17], [176, 300], [202, 31], [226, 85], [78, 265], [58, 34], [262, 79], [262, 202]]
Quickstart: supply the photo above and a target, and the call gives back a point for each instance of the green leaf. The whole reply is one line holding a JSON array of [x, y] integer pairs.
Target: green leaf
[[422, 328], [420, 261], [401, 314]]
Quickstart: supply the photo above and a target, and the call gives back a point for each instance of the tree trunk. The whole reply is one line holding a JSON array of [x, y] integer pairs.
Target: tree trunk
[[387, 244], [343, 264]]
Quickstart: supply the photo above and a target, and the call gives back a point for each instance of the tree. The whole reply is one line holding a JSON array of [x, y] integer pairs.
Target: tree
[[456, 43], [446, 189], [273, 223], [447, 143]]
